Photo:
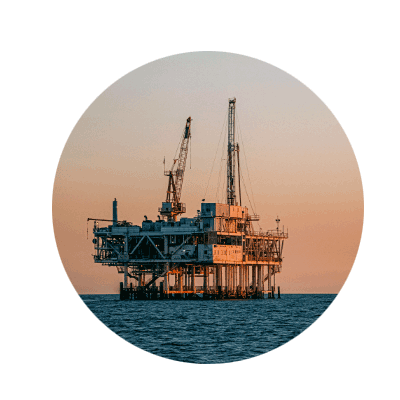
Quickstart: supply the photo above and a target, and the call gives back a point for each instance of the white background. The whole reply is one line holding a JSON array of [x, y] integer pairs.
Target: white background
[[57, 58]]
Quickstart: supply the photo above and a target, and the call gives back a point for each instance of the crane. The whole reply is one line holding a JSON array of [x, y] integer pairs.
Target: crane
[[172, 206]]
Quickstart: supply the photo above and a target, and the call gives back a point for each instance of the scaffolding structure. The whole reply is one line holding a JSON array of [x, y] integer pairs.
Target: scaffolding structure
[[218, 248]]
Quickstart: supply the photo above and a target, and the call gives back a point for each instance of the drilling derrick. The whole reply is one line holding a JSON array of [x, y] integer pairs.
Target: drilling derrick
[[230, 187], [172, 207], [218, 247]]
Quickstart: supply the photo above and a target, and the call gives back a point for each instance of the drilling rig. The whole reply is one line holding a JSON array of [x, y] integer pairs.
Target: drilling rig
[[218, 247]]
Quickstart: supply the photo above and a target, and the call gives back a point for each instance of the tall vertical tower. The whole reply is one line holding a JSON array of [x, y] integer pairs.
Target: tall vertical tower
[[230, 183]]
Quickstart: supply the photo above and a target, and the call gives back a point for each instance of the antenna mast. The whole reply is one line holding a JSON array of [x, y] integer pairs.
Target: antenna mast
[[230, 186]]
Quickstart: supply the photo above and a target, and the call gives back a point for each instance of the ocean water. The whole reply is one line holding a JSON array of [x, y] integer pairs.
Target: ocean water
[[209, 331]]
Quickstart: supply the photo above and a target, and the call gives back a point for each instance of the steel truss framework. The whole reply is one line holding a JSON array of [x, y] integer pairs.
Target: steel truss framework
[[166, 266]]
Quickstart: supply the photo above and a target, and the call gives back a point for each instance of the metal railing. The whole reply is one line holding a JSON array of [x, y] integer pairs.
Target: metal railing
[[270, 233]]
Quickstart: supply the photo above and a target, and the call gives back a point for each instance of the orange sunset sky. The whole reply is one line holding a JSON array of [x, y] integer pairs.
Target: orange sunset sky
[[301, 165]]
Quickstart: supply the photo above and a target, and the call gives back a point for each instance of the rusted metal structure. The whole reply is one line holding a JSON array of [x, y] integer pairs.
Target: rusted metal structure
[[215, 255]]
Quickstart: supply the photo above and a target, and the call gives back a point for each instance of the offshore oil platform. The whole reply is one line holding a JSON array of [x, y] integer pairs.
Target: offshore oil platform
[[168, 258]]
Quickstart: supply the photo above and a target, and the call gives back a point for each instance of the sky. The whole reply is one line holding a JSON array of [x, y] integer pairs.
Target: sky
[[300, 163]]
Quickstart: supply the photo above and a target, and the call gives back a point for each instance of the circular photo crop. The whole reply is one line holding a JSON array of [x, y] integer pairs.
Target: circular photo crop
[[208, 207]]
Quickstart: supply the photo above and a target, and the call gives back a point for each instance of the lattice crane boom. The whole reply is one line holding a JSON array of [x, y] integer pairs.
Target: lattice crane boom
[[172, 206], [180, 171]]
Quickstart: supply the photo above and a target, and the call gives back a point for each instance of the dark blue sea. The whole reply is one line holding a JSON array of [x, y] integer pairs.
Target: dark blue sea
[[209, 332]]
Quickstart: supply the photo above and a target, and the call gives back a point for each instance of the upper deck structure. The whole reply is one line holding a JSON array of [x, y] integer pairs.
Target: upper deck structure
[[217, 253]]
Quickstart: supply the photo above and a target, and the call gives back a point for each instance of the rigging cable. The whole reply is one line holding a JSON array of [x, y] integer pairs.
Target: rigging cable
[[248, 173], [216, 152], [245, 159], [176, 151], [247, 194], [220, 170]]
